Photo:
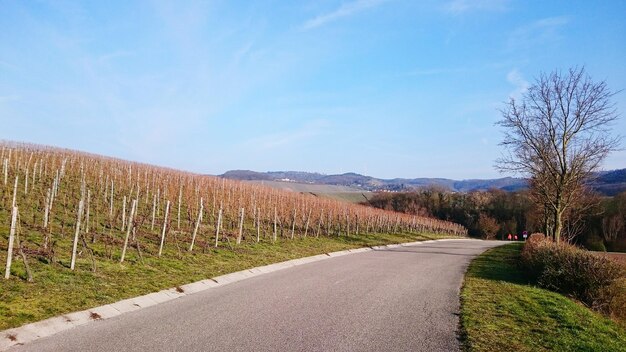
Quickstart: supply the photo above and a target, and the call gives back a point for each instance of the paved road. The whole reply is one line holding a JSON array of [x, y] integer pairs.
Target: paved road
[[402, 299]]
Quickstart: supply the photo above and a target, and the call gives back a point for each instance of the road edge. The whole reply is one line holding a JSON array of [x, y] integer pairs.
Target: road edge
[[34, 331]]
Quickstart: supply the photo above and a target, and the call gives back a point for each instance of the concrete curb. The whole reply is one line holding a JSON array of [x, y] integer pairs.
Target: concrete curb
[[51, 326]]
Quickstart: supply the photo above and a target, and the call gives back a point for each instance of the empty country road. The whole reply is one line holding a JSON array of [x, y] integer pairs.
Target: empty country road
[[400, 299]]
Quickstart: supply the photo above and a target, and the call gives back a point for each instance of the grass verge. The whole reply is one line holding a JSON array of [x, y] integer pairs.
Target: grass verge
[[57, 290], [500, 311]]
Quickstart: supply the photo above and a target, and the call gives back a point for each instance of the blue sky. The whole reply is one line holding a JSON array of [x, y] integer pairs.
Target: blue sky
[[397, 88]]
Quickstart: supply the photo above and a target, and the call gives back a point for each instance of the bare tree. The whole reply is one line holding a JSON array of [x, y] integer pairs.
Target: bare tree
[[489, 227], [612, 226], [557, 135]]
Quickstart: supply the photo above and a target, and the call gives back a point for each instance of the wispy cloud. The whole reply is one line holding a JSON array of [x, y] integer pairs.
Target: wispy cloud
[[105, 58], [345, 10], [7, 98], [488, 66], [521, 85], [463, 6], [436, 71], [242, 52], [6, 64], [184, 24], [288, 139], [537, 32]]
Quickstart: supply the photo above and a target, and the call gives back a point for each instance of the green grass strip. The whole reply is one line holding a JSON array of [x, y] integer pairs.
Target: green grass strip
[[500, 311]]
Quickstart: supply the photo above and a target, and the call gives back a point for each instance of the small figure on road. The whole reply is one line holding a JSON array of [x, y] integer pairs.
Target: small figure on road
[[509, 237]]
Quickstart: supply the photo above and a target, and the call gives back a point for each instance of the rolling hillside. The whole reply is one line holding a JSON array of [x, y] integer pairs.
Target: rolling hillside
[[607, 183], [610, 183]]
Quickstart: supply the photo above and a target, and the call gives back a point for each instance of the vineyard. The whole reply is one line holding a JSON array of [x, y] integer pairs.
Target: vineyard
[[75, 213]]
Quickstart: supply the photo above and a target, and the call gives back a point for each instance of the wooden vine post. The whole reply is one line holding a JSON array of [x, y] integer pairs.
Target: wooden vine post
[[258, 225], [306, 226], [111, 200], [319, 224], [88, 210], [6, 170], [153, 212], [217, 228], [293, 224], [129, 227], [124, 214], [14, 203], [47, 209], [167, 211], [7, 272], [180, 199], [240, 226], [195, 230], [81, 205], [275, 219], [26, 182]]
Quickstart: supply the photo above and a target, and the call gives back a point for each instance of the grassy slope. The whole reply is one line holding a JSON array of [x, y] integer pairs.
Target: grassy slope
[[342, 193], [352, 197], [306, 187], [57, 290], [501, 312]]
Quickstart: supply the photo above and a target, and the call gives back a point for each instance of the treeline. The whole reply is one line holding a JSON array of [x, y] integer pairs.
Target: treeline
[[494, 214]]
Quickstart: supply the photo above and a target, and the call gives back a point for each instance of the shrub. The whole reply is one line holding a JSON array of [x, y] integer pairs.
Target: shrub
[[595, 243], [529, 250], [590, 278], [536, 238], [618, 245], [488, 226], [613, 300]]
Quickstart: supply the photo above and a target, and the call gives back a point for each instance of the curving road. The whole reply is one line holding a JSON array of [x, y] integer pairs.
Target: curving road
[[401, 299]]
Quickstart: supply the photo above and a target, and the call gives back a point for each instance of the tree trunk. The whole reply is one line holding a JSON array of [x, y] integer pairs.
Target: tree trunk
[[558, 224]]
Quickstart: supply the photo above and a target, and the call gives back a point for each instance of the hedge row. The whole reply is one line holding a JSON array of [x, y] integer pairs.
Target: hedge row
[[595, 280]]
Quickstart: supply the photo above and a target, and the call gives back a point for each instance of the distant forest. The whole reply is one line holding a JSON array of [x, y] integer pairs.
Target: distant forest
[[495, 214]]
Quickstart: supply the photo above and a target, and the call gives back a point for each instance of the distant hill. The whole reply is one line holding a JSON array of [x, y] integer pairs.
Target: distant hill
[[372, 184], [610, 183], [607, 182]]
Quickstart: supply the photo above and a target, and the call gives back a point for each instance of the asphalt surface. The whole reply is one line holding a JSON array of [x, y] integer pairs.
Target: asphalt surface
[[401, 299]]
